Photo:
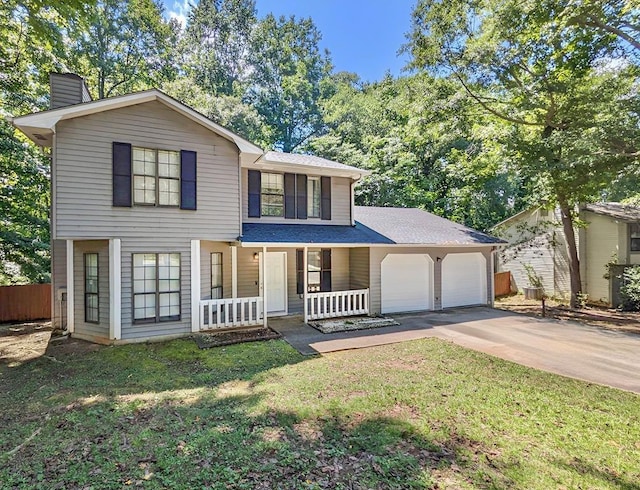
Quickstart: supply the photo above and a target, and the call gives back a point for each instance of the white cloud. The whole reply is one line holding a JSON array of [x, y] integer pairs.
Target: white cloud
[[178, 10]]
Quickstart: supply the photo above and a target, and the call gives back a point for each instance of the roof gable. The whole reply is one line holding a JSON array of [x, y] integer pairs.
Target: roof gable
[[40, 126]]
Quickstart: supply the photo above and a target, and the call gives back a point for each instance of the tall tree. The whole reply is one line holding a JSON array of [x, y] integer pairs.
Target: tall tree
[[288, 79], [121, 47], [215, 44], [567, 91], [31, 45]]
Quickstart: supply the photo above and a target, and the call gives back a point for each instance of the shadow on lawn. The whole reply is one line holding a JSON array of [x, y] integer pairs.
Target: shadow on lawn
[[603, 474], [223, 443], [171, 415]]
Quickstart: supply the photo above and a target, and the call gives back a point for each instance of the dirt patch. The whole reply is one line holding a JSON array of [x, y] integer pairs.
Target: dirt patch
[[21, 342], [207, 340], [598, 316]]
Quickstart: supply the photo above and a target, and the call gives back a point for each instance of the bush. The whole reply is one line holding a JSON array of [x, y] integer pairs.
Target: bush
[[630, 289]]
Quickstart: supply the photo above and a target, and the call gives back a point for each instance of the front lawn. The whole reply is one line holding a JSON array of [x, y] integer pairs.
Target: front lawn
[[421, 414]]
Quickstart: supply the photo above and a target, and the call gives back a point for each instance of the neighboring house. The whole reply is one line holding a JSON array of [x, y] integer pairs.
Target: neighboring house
[[612, 237], [165, 223], [535, 236]]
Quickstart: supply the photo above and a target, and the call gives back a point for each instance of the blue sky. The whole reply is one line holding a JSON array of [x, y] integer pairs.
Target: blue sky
[[362, 36]]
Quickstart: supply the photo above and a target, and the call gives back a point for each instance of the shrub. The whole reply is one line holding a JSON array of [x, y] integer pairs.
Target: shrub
[[630, 289]]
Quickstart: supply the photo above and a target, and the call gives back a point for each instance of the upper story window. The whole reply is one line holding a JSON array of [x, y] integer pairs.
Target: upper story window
[[313, 197], [272, 194], [156, 177], [634, 237], [288, 195]]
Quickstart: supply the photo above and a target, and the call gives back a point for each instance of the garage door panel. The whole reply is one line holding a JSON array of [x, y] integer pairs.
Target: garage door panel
[[464, 279], [407, 283]]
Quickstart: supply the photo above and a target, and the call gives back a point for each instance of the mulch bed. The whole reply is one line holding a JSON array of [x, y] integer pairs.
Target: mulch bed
[[352, 323], [217, 339]]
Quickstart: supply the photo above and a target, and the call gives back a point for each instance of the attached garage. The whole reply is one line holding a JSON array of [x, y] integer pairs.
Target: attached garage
[[464, 279], [406, 283]]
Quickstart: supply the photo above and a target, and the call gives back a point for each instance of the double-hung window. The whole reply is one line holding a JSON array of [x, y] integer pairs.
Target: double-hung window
[[156, 287], [634, 237], [313, 197], [91, 301], [318, 270], [216, 275], [272, 194], [156, 177]]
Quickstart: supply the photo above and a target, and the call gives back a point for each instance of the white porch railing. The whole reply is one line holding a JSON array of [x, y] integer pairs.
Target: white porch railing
[[231, 312], [337, 303]]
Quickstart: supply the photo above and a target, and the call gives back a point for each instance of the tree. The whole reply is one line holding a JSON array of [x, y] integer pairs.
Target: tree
[[121, 47], [567, 91], [425, 145], [288, 79], [227, 110], [215, 44]]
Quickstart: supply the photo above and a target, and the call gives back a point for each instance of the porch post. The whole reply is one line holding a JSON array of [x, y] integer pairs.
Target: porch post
[[70, 295], [234, 272], [264, 286], [195, 285], [305, 286], [115, 289]]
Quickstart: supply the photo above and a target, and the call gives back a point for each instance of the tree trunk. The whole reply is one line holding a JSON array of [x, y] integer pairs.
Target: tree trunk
[[574, 262]]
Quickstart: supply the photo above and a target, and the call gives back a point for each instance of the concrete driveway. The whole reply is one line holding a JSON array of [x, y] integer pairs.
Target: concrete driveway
[[566, 348]]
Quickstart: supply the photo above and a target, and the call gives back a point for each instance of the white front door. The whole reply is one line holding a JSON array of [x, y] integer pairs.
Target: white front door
[[276, 283]]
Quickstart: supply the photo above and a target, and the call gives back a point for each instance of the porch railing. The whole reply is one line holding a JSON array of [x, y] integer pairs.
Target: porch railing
[[337, 303], [231, 312]]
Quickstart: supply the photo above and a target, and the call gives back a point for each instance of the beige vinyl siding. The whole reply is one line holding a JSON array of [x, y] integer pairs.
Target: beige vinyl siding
[[206, 248], [358, 268], [58, 280], [101, 247], [377, 254], [601, 245], [150, 245], [248, 270], [538, 240], [340, 204], [83, 174], [65, 91]]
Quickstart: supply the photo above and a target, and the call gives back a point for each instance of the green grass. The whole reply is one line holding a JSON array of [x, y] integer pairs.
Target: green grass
[[420, 414]]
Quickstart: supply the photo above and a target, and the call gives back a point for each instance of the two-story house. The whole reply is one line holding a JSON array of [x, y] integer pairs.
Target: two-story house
[[164, 223]]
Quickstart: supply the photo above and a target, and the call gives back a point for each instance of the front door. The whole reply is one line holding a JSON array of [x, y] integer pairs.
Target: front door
[[276, 283]]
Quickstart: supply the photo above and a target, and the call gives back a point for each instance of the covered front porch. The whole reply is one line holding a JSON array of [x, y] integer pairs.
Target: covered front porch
[[241, 285]]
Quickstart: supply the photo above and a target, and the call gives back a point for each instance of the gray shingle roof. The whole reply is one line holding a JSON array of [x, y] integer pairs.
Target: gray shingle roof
[[307, 160], [623, 212], [415, 226], [302, 233]]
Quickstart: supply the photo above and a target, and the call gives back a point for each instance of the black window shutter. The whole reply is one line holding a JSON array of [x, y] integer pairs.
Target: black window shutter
[[325, 190], [121, 174], [188, 177], [290, 196], [299, 271], [325, 270], [255, 183], [301, 184]]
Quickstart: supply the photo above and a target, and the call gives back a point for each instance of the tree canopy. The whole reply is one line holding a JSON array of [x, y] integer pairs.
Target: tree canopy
[[506, 104]]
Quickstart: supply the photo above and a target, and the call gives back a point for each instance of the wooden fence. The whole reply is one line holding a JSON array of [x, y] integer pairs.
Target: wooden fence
[[502, 282], [23, 303]]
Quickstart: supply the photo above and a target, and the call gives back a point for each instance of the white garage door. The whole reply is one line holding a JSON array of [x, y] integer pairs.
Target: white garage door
[[464, 280], [407, 283]]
